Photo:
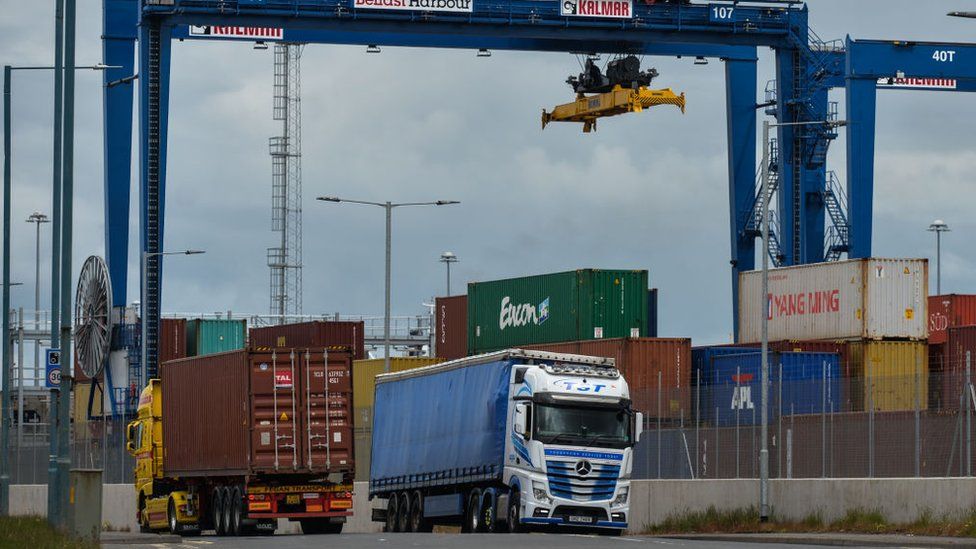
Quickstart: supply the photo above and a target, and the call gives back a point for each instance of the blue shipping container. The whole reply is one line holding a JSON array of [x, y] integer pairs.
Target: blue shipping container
[[810, 384], [442, 424], [701, 360]]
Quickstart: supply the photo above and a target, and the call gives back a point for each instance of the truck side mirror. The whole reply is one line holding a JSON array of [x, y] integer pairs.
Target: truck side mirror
[[130, 436], [638, 426], [520, 417]]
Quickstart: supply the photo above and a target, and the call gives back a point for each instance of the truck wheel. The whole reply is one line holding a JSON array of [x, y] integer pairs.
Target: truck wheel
[[472, 513], [488, 520], [403, 512], [391, 513], [514, 512], [236, 510], [217, 511], [225, 505], [417, 521], [174, 523]]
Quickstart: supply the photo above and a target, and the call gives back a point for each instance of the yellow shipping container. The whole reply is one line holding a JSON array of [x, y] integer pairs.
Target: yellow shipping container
[[890, 375], [364, 374]]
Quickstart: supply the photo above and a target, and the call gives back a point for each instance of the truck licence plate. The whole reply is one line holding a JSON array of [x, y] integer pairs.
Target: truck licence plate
[[574, 518], [292, 499]]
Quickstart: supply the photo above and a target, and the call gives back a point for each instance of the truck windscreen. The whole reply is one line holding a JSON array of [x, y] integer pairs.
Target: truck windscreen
[[603, 427]]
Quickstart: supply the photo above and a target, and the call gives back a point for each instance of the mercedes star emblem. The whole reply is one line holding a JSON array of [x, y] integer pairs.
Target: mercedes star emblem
[[583, 468]]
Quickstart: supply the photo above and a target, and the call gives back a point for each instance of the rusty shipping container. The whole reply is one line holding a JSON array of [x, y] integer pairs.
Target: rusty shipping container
[[250, 412], [316, 333], [857, 299], [172, 339], [451, 327], [949, 311], [643, 361], [962, 339]]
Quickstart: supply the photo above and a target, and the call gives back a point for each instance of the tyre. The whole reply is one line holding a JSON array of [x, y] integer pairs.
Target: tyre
[[225, 503], [403, 512], [171, 519], [514, 512], [472, 513], [489, 523], [417, 522], [391, 513], [217, 511], [236, 508]]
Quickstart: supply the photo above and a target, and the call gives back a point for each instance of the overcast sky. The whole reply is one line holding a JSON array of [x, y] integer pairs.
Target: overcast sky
[[645, 191]]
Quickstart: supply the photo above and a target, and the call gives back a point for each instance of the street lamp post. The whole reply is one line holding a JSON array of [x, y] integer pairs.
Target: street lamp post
[[938, 227], [388, 206], [37, 218], [144, 367], [764, 374], [447, 258]]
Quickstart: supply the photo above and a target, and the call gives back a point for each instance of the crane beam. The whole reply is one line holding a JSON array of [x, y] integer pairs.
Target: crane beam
[[588, 108]]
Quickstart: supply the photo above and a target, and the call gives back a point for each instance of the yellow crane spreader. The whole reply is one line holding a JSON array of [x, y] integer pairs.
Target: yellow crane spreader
[[588, 108]]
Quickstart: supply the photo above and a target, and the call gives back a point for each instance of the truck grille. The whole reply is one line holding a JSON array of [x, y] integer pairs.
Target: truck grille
[[599, 484]]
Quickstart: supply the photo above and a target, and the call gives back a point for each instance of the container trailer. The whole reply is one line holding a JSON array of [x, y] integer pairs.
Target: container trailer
[[235, 441], [504, 441]]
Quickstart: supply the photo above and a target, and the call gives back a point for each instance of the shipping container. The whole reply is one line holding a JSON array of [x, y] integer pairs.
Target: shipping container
[[889, 375], [857, 299], [567, 306], [451, 327], [210, 336], [644, 361], [962, 339], [732, 395], [172, 339], [316, 333], [949, 311], [652, 312], [701, 359], [363, 434], [249, 412], [942, 393]]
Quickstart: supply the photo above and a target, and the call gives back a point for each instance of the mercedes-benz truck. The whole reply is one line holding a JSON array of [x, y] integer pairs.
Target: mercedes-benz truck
[[504, 441]]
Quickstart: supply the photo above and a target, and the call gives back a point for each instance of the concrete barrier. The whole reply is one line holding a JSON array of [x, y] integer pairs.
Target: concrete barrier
[[900, 500]]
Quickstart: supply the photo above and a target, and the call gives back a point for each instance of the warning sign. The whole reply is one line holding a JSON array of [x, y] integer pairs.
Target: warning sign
[[284, 417]]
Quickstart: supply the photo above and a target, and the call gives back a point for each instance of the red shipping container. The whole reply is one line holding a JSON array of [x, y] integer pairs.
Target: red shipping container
[[940, 380], [643, 361], [451, 327], [949, 311], [962, 339], [317, 333], [253, 412], [172, 339]]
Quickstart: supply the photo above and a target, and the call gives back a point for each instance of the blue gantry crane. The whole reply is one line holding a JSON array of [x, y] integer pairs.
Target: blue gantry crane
[[806, 69]]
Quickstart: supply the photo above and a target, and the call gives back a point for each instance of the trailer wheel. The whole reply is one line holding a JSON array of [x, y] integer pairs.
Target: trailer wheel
[[217, 511], [235, 507], [472, 513], [514, 510], [225, 499], [391, 513], [403, 513], [417, 521]]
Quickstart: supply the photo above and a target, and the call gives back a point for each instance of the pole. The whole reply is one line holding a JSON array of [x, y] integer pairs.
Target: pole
[[969, 415], [698, 471], [67, 196], [764, 452], [142, 318], [779, 421], [53, 511], [448, 278], [5, 420], [37, 297], [659, 424], [823, 419], [386, 314], [938, 262]]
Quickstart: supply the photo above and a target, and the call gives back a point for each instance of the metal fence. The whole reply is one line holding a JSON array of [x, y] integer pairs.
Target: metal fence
[[94, 444], [872, 425]]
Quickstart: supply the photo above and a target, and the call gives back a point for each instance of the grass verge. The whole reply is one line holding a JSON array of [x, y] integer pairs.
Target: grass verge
[[35, 533], [855, 521]]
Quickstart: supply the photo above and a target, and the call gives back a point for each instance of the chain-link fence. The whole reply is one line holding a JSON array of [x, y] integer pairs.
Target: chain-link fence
[[98, 444], [820, 424]]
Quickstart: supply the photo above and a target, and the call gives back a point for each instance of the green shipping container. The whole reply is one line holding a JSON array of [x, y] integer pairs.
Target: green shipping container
[[569, 306], [206, 337]]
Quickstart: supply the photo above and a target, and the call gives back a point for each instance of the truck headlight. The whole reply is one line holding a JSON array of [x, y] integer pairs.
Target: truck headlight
[[621, 496], [539, 492]]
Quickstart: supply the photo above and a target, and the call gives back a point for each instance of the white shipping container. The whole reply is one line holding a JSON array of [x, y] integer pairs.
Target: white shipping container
[[861, 298]]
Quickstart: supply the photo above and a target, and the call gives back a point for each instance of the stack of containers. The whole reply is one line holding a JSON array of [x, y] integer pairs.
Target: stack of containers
[[210, 336], [364, 374], [648, 364], [874, 310], [946, 314]]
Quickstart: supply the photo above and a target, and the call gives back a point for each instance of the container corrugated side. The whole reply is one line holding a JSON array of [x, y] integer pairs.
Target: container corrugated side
[[316, 333], [567, 306], [363, 433], [172, 339], [962, 339], [949, 311], [643, 362], [364, 374], [889, 373], [196, 392], [210, 336], [870, 298], [451, 327]]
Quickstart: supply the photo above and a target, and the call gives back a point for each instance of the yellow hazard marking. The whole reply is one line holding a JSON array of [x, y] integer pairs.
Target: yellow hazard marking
[[909, 314], [284, 417]]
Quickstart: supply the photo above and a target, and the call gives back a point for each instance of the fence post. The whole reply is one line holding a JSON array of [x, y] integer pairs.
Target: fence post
[[789, 453], [868, 384], [969, 415], [659, 424], [697, 423], [823, 419], [738, 376], [715, 428], [779, 421], [918, 420]]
